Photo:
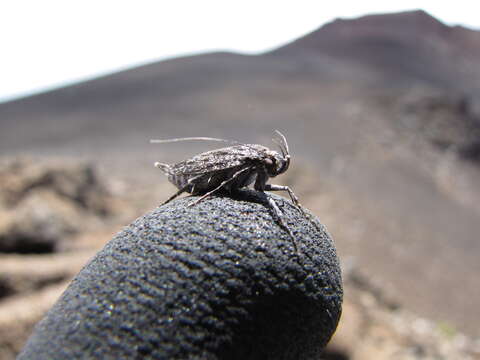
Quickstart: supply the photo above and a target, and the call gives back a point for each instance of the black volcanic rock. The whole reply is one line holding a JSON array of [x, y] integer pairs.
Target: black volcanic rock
[[220, 280]]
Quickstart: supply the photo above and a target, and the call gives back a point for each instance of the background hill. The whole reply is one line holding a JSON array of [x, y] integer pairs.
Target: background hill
[[381, 114]]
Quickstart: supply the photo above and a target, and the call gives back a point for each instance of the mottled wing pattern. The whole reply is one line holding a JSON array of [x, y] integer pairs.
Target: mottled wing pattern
[[219, 159]]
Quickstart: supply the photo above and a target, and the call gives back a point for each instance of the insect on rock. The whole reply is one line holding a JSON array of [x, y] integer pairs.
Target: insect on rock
[[231, 168]]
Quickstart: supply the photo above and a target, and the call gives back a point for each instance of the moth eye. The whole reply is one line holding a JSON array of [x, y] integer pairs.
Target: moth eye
[[268, 162]]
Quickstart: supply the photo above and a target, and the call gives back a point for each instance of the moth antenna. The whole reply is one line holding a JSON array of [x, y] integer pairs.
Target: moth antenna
[[163, 141], [160, 141], [282, 145], [279, 144], [284, 141]]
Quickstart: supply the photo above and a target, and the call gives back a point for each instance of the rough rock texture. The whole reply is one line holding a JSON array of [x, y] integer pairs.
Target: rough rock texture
[[446, 120], [375, 326], [43, 205], [29, 286], [219, 280]]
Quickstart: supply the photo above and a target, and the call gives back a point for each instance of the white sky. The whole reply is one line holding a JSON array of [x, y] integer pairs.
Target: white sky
[[50, 43]]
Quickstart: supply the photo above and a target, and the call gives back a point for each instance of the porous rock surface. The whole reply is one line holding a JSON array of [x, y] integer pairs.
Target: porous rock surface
[[219, 280]]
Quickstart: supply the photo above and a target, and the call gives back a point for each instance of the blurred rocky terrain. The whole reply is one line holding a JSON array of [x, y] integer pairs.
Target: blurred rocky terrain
[[375, 326], [43, 206], [37, 265], [382, 118]]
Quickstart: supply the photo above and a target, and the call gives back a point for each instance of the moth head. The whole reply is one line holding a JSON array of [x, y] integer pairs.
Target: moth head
[[277, 163]]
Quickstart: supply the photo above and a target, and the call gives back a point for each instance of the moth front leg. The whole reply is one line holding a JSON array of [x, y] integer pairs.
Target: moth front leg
[[272, 187], [279, 215]]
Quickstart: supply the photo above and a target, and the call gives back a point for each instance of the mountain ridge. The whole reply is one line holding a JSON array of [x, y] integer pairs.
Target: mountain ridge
[[404, 47], [421, 23]]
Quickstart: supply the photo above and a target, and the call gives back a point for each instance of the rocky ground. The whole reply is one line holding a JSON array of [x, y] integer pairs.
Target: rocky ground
[[56, 214], [383, 111], [375, 326]]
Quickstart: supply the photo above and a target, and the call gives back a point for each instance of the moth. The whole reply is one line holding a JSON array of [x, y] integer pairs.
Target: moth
[[231, 168]]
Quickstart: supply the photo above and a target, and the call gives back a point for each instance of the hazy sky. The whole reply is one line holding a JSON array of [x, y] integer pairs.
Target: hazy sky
[[50, 43]]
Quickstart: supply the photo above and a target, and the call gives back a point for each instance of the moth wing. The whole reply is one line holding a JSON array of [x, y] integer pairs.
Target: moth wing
[[216, 160]]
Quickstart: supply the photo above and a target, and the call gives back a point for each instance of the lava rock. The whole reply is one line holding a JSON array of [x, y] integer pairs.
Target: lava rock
[[218, 280], [43, 204]]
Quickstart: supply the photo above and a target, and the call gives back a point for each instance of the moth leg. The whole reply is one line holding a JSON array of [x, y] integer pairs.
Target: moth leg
[[182, 190], [275, 208], [271, 187], [279, 216], [234, 176], [179, 192]]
